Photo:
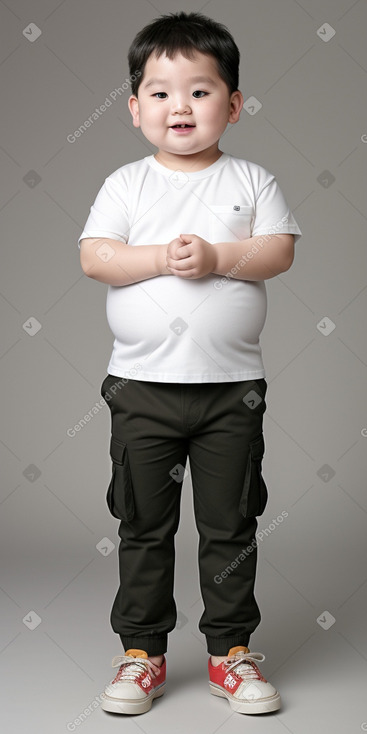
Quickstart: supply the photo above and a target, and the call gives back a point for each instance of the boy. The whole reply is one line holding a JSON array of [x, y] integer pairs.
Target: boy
[[186, 376]]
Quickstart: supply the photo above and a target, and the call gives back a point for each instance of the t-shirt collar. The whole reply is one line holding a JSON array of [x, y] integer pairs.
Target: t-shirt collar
[[191, 175]]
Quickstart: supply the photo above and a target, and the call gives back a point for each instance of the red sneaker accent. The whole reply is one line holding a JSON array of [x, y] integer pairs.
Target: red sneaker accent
[[137, 683], [239, 679]]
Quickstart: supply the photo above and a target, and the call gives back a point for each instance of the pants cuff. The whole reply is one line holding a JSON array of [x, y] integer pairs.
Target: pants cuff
[[221, 645], [152, 645]]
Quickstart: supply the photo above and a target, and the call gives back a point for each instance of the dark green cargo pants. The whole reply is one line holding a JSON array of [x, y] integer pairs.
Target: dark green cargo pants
[[154, 428]]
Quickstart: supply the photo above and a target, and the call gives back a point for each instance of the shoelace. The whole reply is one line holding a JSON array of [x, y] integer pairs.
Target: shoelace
[[245, 664], [131, 667]]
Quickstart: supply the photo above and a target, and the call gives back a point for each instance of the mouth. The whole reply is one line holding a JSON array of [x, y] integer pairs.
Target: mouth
[[181, 126]]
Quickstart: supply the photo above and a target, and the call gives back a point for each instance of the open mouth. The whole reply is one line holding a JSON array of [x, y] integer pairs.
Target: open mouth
[[182, 126]]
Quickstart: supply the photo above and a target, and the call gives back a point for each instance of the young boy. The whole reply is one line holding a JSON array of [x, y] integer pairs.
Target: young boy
[[186, 377]]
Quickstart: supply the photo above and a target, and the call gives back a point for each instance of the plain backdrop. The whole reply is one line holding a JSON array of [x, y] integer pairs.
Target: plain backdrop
[[305, 64]]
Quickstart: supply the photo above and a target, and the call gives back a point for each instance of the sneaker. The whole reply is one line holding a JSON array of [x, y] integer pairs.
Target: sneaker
[[137, 682], [239, 680]]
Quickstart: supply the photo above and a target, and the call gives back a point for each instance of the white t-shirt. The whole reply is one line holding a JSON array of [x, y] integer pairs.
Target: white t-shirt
[[167, 328]]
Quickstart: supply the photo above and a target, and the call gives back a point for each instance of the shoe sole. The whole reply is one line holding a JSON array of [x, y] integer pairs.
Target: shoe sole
[[130, 705], [273, 703]]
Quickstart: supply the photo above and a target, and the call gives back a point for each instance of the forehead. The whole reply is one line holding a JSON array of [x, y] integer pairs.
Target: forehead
[[163, 67]]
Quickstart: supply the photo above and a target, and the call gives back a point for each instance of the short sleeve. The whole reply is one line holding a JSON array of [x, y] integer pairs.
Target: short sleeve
[[108, 215], [272, 213]]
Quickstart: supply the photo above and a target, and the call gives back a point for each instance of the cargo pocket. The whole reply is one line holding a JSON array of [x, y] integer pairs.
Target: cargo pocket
[[120, 498], [255, 494]]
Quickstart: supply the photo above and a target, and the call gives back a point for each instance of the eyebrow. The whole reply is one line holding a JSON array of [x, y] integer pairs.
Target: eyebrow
[[195, 79]]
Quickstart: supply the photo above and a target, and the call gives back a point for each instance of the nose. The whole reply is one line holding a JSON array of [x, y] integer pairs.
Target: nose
[[180, 106]]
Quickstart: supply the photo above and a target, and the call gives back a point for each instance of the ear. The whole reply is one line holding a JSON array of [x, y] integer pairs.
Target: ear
[[235, 106], [133, 105]]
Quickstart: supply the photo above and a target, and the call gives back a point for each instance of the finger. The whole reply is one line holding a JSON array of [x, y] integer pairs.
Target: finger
[[183, 273], [175, 254], [183, 251], [174, 244], [186, 238], [181, 265]]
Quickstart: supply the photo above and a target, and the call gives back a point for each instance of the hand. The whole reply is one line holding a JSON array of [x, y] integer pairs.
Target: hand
[[189, 256], [162, 260]]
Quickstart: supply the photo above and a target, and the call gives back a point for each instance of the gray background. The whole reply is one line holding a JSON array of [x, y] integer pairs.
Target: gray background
[[311, 132]]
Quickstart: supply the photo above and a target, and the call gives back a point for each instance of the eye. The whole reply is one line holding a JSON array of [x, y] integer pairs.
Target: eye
[[160, 93], [198, 94]]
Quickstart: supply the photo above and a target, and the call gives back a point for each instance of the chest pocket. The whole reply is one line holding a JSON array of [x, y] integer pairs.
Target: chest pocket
[[230, 222]]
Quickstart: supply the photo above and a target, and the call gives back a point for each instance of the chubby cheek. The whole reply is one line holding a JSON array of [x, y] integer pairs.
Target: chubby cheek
[[156, 120], [221, 115], [150, 123]]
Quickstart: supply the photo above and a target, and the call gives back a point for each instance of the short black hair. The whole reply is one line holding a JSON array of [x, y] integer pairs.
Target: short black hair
[[186, 33]]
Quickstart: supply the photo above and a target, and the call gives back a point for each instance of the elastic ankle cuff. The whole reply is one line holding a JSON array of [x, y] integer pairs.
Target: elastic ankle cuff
[[221, 645], [152, 645]]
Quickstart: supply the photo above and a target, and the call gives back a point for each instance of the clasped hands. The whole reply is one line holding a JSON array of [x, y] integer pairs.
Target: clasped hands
[[189, 256]]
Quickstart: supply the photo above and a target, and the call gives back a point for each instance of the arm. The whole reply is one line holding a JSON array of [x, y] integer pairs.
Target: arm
[[257, 258], [117, 263]]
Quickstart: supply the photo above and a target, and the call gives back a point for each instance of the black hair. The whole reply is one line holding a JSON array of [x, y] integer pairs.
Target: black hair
[[186, 33]]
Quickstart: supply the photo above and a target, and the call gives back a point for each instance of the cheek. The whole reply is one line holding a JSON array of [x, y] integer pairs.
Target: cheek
[[216, 116], [154, 117]]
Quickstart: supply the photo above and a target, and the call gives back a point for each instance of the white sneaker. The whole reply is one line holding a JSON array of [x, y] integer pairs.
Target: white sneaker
[[137, 682]]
